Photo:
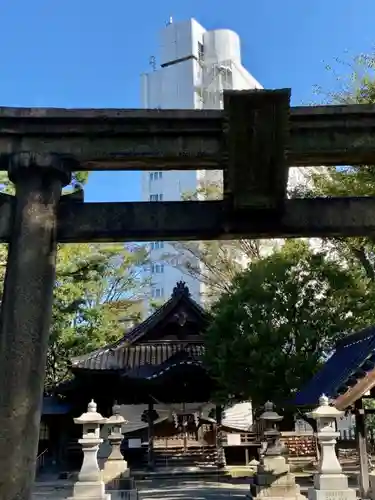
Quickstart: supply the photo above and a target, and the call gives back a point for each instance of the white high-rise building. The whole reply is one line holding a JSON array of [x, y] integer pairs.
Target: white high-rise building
[[196, 65]]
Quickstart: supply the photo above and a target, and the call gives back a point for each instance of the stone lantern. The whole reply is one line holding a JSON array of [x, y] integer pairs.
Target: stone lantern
[[115, 466], [274, 479], [90, 484], [271, 433], [329, 481]]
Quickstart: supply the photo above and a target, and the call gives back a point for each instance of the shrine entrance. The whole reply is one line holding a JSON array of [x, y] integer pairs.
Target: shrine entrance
[[187, 426], [254, 141]]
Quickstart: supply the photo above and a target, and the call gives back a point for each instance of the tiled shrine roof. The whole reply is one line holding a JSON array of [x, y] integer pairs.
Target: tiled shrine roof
[[131, 358], [347, 374], [180, 295], [144, 345], [183, 357]]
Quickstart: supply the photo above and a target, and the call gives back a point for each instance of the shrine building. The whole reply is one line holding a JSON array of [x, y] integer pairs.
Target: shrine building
[[156, 373]]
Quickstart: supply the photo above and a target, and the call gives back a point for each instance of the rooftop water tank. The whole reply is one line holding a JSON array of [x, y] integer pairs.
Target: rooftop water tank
[[221, 45]]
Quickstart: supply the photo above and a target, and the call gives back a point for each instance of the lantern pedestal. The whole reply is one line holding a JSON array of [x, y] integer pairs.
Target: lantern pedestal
[[275, 481], [329, 482], [89, 491], [115, 470]]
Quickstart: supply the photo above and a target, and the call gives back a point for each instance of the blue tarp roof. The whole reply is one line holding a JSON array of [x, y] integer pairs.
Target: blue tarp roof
[[349, 356]]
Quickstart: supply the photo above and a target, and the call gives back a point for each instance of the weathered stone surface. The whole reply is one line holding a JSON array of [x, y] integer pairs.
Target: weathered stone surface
[[203, 220], [25, 164], [115, 139], [349, 494], [182, 139], [256, 135], [25, 321], [198, 220], [276, 481]]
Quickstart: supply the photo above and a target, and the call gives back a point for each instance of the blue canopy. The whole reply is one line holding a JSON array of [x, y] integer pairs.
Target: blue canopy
[[354, 356]]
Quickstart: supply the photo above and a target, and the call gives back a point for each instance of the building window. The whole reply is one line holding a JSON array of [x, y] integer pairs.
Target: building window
[[200, 51], [157, 268], [154, 176], [157, 245], [156, 197], [157, 293]]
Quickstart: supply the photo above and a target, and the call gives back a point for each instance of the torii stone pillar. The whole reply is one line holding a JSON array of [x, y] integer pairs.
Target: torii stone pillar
[[26, 314]]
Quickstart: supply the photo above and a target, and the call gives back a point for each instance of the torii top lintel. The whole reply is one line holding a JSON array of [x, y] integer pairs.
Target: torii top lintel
[[254, 140], [119, 139]]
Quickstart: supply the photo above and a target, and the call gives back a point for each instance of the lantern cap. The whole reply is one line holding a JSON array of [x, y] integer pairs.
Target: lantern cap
[[91, 416], [116, 417], [269, 413], [325, 409]]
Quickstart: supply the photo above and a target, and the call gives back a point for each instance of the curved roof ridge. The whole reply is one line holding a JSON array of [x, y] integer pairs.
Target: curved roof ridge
[[180, 293]]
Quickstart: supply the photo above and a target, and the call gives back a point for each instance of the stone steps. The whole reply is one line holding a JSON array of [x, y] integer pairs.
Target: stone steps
[[181, 473], [178, 458]]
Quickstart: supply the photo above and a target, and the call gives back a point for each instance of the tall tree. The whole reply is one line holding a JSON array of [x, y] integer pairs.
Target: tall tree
[[357, 87], [213, 263], [273, 330], [277, 320], [99, 288]]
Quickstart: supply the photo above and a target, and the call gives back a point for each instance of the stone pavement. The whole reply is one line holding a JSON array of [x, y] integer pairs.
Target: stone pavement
[[168, 490], [199, 490]]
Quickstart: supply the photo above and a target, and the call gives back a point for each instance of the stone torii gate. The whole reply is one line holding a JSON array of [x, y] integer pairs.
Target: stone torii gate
[[253, 140]]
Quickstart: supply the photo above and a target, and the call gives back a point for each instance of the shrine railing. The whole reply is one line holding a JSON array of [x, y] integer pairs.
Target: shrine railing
[[176, 442], [243, 439]]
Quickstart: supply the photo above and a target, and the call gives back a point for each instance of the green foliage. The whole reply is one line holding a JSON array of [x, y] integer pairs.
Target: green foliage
[[356, 88], [79, 179], [272, 331], [98, 291], [97, 286], [354, 81], [275, 326]]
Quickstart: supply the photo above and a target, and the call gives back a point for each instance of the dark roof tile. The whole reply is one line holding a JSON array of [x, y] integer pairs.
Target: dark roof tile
[[131, 357], [138, 333]]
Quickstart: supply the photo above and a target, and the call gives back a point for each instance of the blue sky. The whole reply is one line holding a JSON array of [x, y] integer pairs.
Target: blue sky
[[90, 53]]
